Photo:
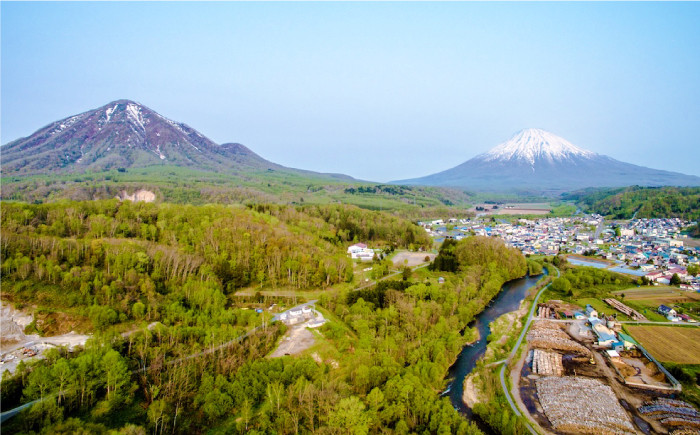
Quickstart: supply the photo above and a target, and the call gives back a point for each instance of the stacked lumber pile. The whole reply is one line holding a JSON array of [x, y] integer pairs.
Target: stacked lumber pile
[[624, 309], [583, 406], [548, 335], [547, 363]]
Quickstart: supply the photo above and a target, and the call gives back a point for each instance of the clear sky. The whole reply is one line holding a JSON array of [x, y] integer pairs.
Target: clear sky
[[379, 91]]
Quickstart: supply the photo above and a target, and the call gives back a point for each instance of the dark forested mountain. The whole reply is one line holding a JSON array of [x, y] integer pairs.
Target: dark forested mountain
[[125, 134], [538, 160]]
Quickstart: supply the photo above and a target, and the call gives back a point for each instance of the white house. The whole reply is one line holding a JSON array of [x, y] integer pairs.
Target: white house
[[675, 242], [361, 252], [356, 247]]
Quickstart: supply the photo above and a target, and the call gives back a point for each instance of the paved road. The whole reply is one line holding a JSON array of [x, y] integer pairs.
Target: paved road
[[506, 391], [12, 412], [649, 322], [598, 229]]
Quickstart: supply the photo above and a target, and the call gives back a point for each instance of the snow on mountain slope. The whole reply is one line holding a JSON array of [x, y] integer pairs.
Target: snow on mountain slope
[[126, 134], [123, 134], [533, 144]]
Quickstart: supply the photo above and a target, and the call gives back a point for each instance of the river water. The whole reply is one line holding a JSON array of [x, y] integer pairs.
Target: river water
[[512, 293]]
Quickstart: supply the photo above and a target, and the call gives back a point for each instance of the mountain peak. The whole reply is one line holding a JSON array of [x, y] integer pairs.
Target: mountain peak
[[126, 134], [536, 160], [532, 144]]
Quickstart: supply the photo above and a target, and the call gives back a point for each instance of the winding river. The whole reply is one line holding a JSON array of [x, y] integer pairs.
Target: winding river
[[509, 298]]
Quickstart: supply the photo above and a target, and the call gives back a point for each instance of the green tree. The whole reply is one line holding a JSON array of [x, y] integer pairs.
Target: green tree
[[116, 373], [138, 310], [349, 417], [675, 279], [561, 284], [406, 274]]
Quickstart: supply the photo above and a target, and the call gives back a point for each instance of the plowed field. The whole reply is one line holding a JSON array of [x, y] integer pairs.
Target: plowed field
[[669, 343]]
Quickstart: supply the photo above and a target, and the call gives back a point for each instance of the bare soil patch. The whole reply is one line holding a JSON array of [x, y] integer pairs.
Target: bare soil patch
[[411, 259]]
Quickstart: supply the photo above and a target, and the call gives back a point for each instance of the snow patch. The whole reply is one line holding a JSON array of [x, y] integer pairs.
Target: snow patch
[[159, 153], [62, 125], [110, 111], [133, 112]]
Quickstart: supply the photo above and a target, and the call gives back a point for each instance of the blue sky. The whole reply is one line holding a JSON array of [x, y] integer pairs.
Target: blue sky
[[378, 91]]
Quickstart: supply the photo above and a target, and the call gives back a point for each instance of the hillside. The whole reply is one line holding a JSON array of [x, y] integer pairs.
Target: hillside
[[125, 146], [642, 202], [157, 284]]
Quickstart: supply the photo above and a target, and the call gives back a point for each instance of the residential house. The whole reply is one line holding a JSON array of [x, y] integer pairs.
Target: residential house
[[666, 311]]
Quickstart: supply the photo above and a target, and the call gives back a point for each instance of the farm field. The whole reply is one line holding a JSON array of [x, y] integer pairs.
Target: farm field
[[669, 343], [514, 208], [661, 293], [647, 300]]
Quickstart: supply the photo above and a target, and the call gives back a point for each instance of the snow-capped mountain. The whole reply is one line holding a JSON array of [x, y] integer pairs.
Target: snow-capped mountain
[[124, 134], [537, 160], [532, 144]]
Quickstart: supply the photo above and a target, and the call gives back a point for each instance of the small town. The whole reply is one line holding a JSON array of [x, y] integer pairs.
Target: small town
[[650, 248]]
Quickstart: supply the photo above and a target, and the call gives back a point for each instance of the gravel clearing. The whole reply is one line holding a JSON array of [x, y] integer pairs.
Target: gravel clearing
[[17, 346]]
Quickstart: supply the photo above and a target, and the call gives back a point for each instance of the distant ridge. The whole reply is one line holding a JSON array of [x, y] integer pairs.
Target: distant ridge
[[126, 134], [535, 159]]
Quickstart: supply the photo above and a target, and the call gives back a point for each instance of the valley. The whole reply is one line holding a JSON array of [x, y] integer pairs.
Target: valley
[[349, 218]]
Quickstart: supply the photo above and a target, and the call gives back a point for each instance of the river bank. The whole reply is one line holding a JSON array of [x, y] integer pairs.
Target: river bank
[[506, 301]]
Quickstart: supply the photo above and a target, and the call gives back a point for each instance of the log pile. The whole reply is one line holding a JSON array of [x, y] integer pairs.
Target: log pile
[[548, 335], [583, 406], [672, 413], [547, 363], [545, 312], [684, 431], [624, 309]]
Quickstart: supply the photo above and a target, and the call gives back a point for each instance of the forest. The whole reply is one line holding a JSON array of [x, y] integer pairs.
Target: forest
[[156, 283], [646, 202], [585, 281], [114, 260], [181, 185]]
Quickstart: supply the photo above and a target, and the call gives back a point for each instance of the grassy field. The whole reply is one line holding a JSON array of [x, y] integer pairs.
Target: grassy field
[[600, 307], [669, 343]]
